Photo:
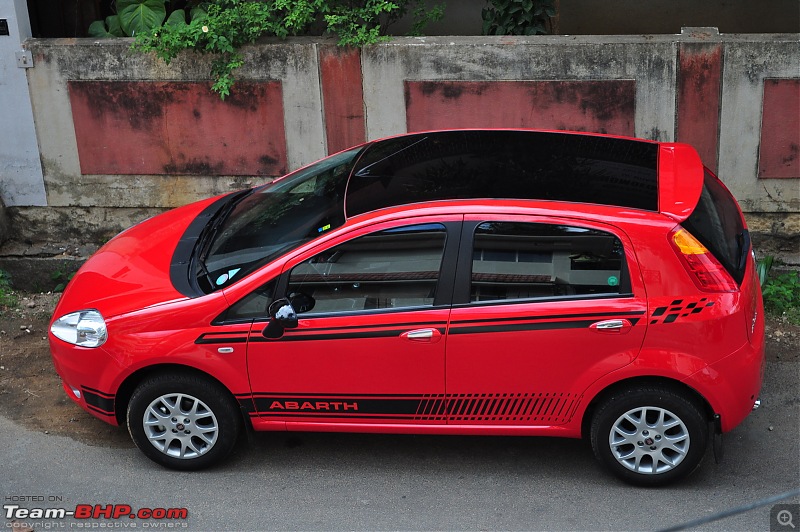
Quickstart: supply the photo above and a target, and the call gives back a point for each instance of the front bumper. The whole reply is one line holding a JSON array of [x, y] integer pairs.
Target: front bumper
[[82, 373]]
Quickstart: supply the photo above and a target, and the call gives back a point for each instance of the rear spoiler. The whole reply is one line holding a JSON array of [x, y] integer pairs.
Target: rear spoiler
[[680, 180]]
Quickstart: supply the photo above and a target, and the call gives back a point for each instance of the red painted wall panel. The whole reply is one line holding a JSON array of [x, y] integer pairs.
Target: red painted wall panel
[[342, 96], [779, 153], [596, 106], [699, 86], [155, 127]]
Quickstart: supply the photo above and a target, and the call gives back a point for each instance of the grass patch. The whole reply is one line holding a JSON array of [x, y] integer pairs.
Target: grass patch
[[8, 299], [781, 291], [782, 296]]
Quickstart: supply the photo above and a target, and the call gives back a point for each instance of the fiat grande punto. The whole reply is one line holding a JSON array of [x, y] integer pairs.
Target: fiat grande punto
[[498, 282]]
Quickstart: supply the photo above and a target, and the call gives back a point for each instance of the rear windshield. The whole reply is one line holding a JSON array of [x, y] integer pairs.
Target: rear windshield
[[717, 223], [504, 164]]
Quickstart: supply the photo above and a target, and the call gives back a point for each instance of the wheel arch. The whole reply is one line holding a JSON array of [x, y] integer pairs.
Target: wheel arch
[[636, 382], [132, 381]]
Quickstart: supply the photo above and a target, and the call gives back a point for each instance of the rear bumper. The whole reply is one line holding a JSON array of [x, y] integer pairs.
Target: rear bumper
[[732, 385]]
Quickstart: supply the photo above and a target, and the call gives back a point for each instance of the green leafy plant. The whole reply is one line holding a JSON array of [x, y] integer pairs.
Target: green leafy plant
[[763, 267], [363, 23], [782, 296], [517, 17], [222, 27], [133, 17], [7, 297], [62, 278]]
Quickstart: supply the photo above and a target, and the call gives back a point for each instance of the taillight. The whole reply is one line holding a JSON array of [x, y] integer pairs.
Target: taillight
[[704, 269]]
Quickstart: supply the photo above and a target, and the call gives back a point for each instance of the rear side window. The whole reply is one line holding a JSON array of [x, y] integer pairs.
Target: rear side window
[[717, 223], [529, 260]]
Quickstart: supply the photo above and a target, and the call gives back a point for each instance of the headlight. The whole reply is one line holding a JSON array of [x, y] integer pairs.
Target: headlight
[[85, 328]]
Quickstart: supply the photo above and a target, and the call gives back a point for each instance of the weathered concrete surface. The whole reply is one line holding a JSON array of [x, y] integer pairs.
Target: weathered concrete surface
[[699, 82], [699, 86], [178, 128], [51, 243], [343, 96], [779, 150], [41, 268], [776, 234], [650, 62], [5, 225], [749, 63], [602, 106], [61, 61]]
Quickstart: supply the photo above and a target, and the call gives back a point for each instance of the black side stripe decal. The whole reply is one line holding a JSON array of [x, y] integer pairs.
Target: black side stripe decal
[[98, 392], [415, 325], [234, 337], [99, 401], [537, 326], [531, 323], [609, 315], [500, 407], [292, 337]]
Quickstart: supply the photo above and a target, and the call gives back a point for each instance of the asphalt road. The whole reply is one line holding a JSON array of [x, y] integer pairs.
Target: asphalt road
[[370, 482]]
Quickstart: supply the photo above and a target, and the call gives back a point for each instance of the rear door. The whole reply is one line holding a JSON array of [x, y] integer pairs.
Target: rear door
[[542, 308]]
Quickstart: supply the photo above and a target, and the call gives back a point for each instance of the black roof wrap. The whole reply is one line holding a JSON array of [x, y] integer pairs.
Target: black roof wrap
[[444, 165]]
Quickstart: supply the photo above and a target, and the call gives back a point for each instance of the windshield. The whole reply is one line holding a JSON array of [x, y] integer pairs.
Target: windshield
[[276, 218]]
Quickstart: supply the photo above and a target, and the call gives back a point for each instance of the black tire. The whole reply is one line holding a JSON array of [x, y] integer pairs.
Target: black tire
[[192, 422], [649, 436]]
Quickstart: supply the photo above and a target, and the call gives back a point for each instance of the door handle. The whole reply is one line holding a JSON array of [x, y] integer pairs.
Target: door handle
[[611, 326], [430, 336]]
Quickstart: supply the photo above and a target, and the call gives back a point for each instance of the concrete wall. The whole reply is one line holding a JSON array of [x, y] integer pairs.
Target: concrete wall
[[123, 136]]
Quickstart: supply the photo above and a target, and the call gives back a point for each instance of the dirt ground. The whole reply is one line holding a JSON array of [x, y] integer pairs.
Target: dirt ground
[[31, 392]]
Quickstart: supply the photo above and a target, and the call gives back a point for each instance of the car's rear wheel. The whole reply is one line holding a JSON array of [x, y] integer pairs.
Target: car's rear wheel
[[183, 421], [649, 436]]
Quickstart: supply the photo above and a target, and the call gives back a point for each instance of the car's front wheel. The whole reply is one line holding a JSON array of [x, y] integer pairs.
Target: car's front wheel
[[183, 421], [649, 436]]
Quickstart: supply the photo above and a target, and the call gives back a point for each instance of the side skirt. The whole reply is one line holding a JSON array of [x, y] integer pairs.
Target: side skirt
[[559, 431]]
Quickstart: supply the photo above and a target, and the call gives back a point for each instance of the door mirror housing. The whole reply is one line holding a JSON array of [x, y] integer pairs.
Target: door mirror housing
[[282, 316]]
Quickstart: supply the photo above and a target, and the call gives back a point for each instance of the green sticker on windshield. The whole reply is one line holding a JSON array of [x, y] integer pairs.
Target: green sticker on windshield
[[613, 281]]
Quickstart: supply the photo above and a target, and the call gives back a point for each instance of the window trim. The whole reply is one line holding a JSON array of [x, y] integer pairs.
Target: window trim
[[445, 283], [463, 277]]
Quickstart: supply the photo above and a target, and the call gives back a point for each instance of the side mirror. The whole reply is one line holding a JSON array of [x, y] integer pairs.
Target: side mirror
[[282, 316]]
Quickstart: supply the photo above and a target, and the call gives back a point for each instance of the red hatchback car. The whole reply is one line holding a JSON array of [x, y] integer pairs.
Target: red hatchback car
[[502, 282]]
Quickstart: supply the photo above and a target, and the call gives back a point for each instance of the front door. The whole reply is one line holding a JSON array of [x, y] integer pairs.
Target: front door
[[371, 350]]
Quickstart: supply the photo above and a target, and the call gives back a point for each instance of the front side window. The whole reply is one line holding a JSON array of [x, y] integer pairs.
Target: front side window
[[252, 306], [396, 268], [513, 260]]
